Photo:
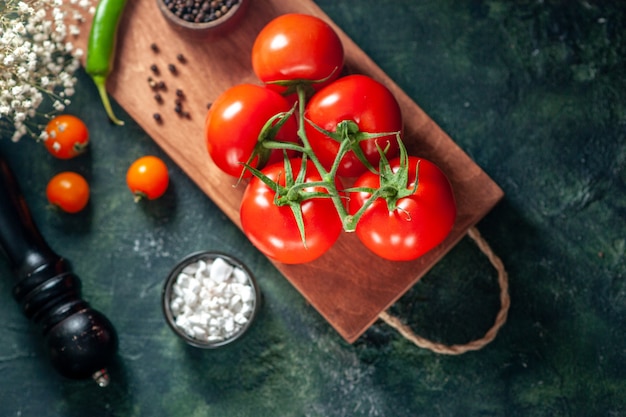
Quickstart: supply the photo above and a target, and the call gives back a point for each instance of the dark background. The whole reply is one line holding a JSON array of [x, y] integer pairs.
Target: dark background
[[533, 91]]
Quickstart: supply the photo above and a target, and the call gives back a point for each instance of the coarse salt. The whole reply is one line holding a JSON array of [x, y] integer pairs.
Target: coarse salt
[[212, 300]]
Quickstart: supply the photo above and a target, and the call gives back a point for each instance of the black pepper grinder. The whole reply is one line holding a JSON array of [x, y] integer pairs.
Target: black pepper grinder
[[81, 342]]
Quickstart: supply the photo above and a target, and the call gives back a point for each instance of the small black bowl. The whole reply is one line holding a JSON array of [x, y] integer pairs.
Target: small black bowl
[[220, 332], [199, 30]]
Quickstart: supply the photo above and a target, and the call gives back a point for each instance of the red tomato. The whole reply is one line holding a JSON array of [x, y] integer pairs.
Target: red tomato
[[234, 122], [68, 191], [147, 177], [273, 228], [364, 101], [297, 47], [420, 222], [67, 136]]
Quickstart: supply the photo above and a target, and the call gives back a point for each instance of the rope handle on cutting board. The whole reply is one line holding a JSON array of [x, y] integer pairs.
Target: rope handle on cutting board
[[505, 303]]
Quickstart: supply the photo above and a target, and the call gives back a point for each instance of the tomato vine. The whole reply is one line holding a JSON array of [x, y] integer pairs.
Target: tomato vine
[[294, 193], [338, 128]]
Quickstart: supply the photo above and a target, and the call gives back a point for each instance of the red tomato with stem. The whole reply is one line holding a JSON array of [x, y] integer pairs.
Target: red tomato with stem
[[67, 136], [297, 47], [420, 221], [273, 229], [68, 191], [371, 108], [147, 177], [235, 121]]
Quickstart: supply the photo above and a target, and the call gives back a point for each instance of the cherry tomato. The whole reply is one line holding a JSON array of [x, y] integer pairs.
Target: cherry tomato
[[273, 229], [67, 136], [234, 122], [147, 177], [367, 103], [68, 191], [420, 222], [296, 47]]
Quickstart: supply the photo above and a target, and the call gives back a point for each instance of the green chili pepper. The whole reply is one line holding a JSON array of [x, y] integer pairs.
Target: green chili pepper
[[101, 48]]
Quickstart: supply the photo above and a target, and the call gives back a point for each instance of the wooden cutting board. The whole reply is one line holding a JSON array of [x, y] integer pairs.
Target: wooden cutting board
[[348, 286]]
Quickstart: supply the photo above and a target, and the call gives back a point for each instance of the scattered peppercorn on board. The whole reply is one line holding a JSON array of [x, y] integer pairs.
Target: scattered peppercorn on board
[[348, 286]]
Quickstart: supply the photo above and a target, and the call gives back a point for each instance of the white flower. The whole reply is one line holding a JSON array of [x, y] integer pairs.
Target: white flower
[[24, 8], [19, 28], [16, 91], [37, 60], [19, 117]]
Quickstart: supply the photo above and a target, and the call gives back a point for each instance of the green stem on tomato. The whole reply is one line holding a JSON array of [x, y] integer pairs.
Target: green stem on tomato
[[351, 221], [288, 146], [327, 176]]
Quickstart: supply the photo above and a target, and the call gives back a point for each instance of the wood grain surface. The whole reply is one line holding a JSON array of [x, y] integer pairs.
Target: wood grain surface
[[348, 286]]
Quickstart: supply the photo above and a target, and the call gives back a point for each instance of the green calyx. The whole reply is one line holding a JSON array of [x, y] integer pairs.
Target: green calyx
[[79, 147], [348, 134], [294, 192], [394, 185], [268, 133], [266, 141]]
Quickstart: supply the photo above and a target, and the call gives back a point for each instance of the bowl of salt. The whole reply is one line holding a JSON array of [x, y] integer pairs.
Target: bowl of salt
[[210, 299]]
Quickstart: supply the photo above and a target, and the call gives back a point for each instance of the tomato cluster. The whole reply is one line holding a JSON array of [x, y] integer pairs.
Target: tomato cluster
[[306, 132]]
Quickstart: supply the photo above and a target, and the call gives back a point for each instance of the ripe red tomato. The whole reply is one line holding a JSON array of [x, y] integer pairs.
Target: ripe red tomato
[[67, 136], [367, 103], [68, 191], [147, 177], [420, 222], [234, 122], [296, 47], [273, 228]]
